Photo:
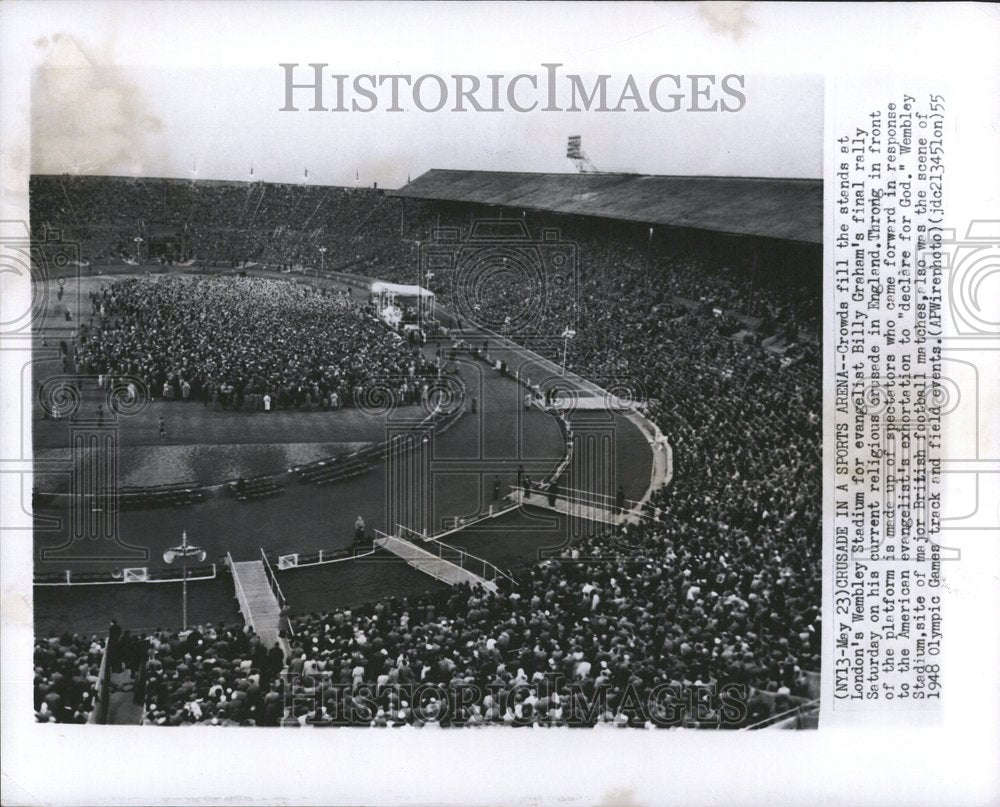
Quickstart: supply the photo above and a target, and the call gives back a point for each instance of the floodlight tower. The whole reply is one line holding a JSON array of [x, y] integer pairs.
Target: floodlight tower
[[575, 152]]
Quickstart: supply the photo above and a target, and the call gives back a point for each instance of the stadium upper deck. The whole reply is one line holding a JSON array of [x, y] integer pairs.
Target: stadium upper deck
[[786, 209]]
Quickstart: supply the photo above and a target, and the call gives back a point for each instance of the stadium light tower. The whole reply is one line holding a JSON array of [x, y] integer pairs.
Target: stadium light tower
[[138, 244], [575, 152], [322, 259], [184, 551]]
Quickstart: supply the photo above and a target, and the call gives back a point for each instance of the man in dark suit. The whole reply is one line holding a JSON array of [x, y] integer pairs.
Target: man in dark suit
[[114, 646], [275, 660]]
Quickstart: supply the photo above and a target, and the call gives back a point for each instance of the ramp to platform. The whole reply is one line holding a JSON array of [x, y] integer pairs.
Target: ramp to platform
[[571, 507], [258, 604], [431, 561]]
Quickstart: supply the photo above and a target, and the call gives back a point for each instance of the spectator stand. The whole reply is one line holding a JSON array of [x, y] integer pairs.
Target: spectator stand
[[254, 488], [178, 494], [661, 473], [68, 670], [341, 467], [144, 497]]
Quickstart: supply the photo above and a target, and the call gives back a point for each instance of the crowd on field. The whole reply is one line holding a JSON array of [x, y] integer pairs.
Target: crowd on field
[[245, 343]]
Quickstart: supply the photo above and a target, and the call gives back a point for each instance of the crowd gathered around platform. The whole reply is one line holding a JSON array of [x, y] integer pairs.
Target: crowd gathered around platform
[[245, 343], [706, 612]]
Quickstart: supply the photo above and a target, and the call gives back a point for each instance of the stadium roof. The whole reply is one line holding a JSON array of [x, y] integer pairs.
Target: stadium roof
[[789, 209]]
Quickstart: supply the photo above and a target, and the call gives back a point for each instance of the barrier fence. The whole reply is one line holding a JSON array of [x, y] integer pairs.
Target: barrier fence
[[134, 574], [102, 692], [298, 560], [241, 596], [276, 590], [480, 567]]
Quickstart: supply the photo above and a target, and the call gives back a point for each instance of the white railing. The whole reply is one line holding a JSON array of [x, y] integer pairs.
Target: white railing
[[293, 560], [455, 524], [272, 579], [102, 689], [135, 574], [241, 596], [475, 569], [465, 560]]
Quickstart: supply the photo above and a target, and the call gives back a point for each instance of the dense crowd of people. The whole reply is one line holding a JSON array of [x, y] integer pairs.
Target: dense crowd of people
[[358, 230], [213, 675], [208, 222], [706, 612], [244, 342], [719, 585], [66, 676]]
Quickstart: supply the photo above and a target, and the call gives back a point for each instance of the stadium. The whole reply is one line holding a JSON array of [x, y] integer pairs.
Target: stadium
[[491, 448]]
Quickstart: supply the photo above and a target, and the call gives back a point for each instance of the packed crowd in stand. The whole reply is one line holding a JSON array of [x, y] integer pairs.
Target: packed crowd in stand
[[213, 675], [208, 222], [66, 676], [671, 267], [718, 584], [241, 342], [358, 230]]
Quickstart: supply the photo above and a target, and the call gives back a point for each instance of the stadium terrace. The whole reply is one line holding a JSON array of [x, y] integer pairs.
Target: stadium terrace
[[231, 344]]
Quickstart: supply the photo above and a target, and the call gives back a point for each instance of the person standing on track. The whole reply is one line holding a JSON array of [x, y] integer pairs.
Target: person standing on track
[[163, 430]]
